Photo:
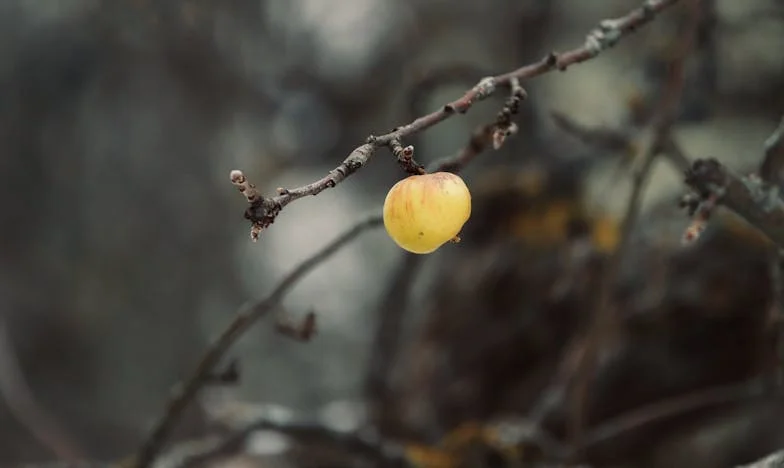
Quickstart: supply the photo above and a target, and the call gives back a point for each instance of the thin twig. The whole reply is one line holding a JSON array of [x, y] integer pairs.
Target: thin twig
[[605, 322], [263, 210], [528, 432], [676, 406], [243, 320], [391, 312]]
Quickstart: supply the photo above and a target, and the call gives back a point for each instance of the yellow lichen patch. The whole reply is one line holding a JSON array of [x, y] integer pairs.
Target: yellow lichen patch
[[423, 212], [456, 446], [546, 225], [605, 234], [466, 433]]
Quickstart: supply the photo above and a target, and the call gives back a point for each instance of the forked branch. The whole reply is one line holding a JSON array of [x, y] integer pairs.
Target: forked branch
[[262, 211]]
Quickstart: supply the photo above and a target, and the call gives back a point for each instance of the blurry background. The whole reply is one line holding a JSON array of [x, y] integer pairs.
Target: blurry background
[[123, 248]]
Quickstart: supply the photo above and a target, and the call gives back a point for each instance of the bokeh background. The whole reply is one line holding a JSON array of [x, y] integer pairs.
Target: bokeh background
[[123, 250]]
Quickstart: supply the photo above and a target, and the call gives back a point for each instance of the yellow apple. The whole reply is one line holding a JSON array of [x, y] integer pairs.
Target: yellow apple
[[423, 212]]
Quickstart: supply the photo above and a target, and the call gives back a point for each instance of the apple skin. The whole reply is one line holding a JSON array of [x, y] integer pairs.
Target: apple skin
[[423, 212]]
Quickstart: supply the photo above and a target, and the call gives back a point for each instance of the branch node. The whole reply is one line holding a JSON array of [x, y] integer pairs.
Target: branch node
[[484, 88], [405, 157]]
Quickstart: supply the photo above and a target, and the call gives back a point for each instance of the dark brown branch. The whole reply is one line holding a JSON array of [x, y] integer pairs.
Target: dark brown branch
[[605, 323], [757, 202], [602, 138], [263, 210], [677, 406], [529, 432], [757, 198], [244, 319]]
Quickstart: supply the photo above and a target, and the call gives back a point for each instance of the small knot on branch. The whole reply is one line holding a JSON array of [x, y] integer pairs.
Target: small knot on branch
[[405, 157], [262, 211], [504, 126], [300, 330], [706, 177]]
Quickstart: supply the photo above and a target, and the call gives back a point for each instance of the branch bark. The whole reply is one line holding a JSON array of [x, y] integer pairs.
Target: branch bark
[[246, 317], [263, 210], [750, 197]]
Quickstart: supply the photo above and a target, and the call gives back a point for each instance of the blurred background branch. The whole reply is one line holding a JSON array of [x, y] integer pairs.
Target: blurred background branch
[[123, 256]]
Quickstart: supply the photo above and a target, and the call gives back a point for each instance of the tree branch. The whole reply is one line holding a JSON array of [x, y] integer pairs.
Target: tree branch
[[263, 210], [605, 323], [750, 197], [243, 320]]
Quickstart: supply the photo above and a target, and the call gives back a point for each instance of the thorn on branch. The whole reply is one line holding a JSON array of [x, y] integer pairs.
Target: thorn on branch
[[300, 330]]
